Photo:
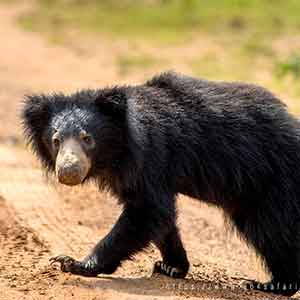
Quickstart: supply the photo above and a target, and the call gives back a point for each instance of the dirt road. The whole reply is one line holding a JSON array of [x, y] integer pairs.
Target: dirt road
[[38, 220]]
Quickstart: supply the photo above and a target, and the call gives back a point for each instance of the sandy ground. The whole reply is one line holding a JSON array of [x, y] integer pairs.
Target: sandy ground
[[38, 220]]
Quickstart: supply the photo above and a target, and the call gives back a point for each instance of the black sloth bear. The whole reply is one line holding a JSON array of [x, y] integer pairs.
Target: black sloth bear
[[233, 145]]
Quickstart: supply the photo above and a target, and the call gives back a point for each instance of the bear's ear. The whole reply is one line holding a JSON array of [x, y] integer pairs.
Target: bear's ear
[[35, 113], [112, 102], [35, 116]]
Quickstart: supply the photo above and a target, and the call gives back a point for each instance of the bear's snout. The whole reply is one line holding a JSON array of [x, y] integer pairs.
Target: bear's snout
[[70, 174], [72, 164]]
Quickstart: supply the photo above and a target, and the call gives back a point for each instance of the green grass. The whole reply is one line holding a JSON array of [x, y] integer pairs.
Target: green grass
[[289, 66], [167, 20]]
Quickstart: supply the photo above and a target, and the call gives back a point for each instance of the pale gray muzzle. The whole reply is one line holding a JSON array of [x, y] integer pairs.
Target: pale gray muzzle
[[70, 174], [72, 164]]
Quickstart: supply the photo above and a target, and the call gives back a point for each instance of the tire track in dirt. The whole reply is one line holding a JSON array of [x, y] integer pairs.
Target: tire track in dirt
[[22, 254], [38, 205]]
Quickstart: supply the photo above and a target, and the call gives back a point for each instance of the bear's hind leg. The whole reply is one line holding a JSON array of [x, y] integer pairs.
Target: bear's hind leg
[[283, 264], [285, 278], [279, 246], [175, 263]]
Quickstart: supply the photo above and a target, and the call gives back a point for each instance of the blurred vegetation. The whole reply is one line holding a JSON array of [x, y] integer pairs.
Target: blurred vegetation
[[238, 35], [289, 66], [168, 19]]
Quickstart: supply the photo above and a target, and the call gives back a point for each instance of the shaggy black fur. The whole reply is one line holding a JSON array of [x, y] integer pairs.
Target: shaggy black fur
[[230, 144]]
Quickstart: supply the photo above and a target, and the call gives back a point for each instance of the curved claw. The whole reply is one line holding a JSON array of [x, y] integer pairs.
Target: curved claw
[[66, 262], [162, 268], [70, 265], [60, 259]]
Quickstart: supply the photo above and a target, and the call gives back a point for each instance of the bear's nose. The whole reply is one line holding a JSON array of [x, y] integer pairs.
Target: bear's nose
[[72, 164], [69, 174]]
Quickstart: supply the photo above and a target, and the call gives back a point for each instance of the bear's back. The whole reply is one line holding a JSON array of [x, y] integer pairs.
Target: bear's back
[[184, 87]]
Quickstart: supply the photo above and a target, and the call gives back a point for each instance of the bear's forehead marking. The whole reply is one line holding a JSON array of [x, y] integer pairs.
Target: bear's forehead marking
[[72, 119]]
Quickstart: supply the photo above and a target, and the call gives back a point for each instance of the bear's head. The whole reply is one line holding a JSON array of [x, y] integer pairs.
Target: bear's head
[[78, 135]]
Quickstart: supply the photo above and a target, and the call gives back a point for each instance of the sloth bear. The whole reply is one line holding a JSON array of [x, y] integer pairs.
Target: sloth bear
[[233, 145]]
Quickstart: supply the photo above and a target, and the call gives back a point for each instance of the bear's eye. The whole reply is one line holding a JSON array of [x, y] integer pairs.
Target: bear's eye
[[56, 141], [86, 138]]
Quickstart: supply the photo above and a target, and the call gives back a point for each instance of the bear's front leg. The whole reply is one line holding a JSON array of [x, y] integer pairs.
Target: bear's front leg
[[136, 227]]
